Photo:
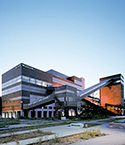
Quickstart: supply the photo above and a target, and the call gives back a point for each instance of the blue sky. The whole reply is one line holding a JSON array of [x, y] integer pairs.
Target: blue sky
[[85, 38]]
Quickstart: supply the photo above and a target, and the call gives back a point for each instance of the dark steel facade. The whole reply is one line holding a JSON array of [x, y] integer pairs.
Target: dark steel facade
[[24, 84], [15, 100]]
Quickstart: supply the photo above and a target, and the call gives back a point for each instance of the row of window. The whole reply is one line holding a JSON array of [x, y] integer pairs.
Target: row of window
[[122, 77], [78, 82], [64, 91], [66, 83], [23, 87], [25, 79], [120, 81], [35, 81], [11, 82], [62, 99], [12, 90], [33, 89]]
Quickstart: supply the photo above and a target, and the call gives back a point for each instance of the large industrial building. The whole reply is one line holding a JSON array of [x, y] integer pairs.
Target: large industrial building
[[0, 106], [24, 84], [30, 92]]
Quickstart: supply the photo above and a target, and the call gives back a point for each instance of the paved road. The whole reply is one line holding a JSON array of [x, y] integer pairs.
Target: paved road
[[114, 137]]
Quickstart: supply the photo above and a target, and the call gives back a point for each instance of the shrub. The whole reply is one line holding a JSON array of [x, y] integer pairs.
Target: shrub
[[96, 132], [91, 133]]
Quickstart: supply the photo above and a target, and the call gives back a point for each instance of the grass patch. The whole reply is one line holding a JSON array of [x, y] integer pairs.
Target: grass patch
[[4, 122], [45, 124], [17, 137], [89, 118], [92, 124], [73, 138]]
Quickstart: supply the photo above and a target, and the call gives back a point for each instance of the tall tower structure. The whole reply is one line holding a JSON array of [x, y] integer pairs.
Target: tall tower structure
[[112, 96]]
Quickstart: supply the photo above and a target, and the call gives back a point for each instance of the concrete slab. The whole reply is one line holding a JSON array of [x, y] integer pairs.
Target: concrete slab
[[31, 140], [76, 125], [116, 125]]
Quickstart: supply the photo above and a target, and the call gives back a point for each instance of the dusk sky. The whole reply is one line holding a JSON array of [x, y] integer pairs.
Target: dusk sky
[[85, 38]]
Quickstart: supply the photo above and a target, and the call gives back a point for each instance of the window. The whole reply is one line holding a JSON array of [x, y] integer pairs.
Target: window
[[25, 79], [44, 84], [11, 82], [38, 82], [32, 81], [71, 99]]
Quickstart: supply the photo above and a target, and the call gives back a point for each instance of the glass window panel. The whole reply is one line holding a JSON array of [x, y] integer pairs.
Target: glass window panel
[[38, 82], [44, 84], [25, 79], [32, 81]]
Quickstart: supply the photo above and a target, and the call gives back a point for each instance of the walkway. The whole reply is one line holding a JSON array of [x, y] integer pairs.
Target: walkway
[[113, 137]]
